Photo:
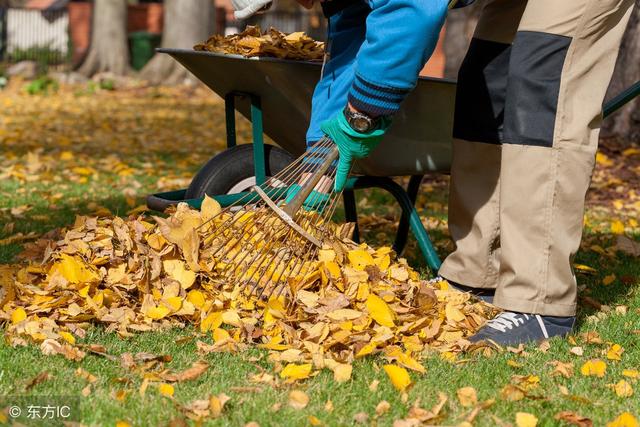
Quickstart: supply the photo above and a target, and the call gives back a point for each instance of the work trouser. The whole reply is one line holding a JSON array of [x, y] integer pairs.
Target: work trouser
[[528, 113]]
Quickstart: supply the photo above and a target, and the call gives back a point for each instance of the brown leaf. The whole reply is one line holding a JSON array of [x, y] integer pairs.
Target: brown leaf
[[574, 419], [197, 368]]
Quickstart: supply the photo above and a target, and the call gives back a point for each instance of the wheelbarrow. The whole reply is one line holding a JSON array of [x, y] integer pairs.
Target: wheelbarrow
[[275, 95]]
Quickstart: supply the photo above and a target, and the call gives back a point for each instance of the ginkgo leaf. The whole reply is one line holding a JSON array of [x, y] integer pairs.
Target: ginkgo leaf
[[379, 310], [594, 367], [467, 396], [298, 399], [525, 419], [623, 389], [625, 419], [399, 376], [166, 389], [296, 372]]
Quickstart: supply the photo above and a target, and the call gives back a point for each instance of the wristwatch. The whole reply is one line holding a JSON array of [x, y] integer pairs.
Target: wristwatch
[[360, 122]]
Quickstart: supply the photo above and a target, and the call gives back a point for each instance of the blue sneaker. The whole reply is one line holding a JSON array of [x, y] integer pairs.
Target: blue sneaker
[[485, 295], [509, 328]]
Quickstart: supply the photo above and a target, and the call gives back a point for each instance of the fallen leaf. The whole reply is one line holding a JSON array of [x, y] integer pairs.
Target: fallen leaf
[[399, 376], [467, 396], [626, 419], [594, 367], [572, 418], [298, 399], [166, 389], [525, 419], [623, 389]]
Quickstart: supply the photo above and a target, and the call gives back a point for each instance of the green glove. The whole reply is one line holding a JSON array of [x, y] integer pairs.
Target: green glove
[[351, 143]]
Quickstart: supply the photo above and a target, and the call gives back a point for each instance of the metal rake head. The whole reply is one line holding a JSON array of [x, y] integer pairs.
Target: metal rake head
[[265, 243]]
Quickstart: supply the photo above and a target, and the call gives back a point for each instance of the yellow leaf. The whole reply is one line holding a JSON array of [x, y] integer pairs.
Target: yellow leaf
[[196, 298], [525, 419], [122, 424], [220, 335], [314, 421], [594, 367], [166, 389], [631, 373], [343, 314], [367, 349], [399, 376], [216, 404], [210, 208], [625, 419], [296, 372], [379, 310], [623, 389], [467, 396], [75, 270], [326, 255], [615, 352], [176, 269], [212, 321], [607, 280], [617, 227], [158, 312], [67, 337], [453, 313], [298, 399], [359, 259], [342, 372], [18, 315], [334, 269], [602, 159]]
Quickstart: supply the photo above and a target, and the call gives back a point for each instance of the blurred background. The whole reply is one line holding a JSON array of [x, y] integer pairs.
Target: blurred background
[[76, 40]]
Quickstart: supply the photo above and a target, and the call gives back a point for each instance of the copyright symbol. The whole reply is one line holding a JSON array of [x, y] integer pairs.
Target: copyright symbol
[[15, 411]]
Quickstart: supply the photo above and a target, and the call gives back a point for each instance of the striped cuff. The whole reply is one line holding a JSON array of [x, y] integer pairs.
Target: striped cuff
[[375, 100]]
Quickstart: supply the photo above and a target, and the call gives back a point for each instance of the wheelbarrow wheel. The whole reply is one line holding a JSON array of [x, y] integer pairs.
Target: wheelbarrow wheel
[[232, 171]]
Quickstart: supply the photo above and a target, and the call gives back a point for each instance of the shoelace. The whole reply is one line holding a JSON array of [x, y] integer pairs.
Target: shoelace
[[509, 320]]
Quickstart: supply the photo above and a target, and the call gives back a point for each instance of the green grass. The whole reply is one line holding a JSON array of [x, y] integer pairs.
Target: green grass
[[158, 158]]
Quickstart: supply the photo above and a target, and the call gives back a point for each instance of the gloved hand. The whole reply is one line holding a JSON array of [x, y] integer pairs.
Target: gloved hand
[[351, 143], [247, 8]]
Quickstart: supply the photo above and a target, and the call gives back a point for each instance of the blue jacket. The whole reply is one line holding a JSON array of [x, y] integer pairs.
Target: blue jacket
[[376, 50]]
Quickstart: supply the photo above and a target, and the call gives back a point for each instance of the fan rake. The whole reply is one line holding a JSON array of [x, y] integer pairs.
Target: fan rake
[[263, 243]]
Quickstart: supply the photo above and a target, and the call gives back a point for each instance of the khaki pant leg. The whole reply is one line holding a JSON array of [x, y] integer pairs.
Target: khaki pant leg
[[561, 63], [474, 189]]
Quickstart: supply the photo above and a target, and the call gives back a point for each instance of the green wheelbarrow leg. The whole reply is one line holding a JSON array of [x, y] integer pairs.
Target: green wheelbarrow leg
[[424, 242], [403, 226]]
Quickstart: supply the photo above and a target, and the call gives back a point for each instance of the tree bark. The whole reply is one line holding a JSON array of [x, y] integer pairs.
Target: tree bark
[[185, 24], [625, 123], [109, 50]]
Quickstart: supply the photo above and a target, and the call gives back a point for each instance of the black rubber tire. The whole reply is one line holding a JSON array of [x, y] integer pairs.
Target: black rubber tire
[[228, 168]]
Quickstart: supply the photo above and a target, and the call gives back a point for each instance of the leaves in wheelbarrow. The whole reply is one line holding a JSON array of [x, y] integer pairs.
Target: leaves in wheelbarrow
[[141, 274], [252, 42]]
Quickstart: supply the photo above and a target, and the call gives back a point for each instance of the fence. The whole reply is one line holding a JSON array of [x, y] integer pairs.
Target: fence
[[35, 35]]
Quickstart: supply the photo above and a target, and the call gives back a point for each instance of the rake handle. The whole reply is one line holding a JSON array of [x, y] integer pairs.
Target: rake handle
[[298, 200]]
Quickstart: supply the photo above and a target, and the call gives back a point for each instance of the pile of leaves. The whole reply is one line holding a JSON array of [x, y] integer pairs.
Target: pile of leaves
[[273, 43], [142, 274]]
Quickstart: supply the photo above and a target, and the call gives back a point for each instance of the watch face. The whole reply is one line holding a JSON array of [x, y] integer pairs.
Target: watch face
[[361, 124]]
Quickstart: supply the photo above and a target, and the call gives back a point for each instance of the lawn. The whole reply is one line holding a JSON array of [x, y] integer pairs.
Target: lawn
[[82, 152]]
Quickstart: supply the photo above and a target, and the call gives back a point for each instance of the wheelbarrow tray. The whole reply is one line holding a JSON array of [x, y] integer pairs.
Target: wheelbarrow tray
[[418, 142]]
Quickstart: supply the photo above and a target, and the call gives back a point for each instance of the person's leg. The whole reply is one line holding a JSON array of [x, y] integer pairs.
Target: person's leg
[[478, 122], [561, 63]]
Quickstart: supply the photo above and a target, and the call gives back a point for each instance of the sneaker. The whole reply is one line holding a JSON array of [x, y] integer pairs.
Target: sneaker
[[509, 328], [485, 295]]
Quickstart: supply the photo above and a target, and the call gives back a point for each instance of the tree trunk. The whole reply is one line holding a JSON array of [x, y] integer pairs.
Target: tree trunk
[[109, 51], [625, 123], [460, 26], [185, 24]]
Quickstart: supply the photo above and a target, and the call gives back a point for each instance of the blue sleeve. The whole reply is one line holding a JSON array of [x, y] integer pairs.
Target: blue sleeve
[[400, 37], [346, 33]]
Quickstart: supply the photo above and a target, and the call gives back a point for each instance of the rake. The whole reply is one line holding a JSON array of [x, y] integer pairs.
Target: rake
[[263, 243]]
